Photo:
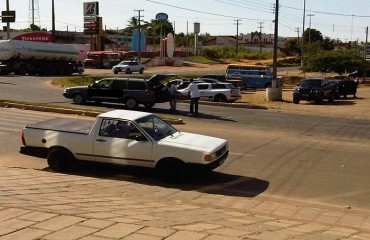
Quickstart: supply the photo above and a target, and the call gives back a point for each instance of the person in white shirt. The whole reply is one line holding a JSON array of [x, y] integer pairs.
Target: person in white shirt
[[194, 95]]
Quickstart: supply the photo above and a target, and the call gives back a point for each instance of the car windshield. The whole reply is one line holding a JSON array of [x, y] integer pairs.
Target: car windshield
[[156, 127], [311, 83]]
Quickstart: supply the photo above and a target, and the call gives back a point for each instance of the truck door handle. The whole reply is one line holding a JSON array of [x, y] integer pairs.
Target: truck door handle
[[101, 140]]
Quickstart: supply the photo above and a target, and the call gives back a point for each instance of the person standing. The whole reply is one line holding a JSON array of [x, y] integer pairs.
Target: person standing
[[193, 93], [173, 91]]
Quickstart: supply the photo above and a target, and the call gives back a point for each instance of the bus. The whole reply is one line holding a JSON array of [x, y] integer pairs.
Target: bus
[[253, 76]]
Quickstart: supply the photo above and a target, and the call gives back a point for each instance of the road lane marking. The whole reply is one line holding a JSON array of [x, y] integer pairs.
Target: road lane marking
[[242, 154]]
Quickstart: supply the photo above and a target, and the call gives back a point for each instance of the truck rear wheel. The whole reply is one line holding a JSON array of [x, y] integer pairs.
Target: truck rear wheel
[[141, 71], [60, 160], [23, 69]]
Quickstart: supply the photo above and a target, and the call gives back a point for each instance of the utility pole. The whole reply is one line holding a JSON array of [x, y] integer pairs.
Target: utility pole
[[297, 34], [139, 46], [274, 93], [8, 23], [237, 37], [52, 22], [309, 34], [367, 33], [304, 18], [260, 27]]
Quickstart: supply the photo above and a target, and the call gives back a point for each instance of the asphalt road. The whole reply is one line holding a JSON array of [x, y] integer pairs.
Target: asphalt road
[[274, 155]]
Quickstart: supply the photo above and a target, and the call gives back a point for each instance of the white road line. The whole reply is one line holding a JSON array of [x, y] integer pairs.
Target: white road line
[[242, 154]]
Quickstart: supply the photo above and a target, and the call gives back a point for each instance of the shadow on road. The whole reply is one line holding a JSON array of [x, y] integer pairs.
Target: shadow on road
[[213, 182]]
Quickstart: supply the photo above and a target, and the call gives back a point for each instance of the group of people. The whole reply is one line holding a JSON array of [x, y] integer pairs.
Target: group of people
[[193, 94]]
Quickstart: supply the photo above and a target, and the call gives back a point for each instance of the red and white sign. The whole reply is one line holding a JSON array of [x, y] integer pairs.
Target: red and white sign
[[35, 37], [91, 25]]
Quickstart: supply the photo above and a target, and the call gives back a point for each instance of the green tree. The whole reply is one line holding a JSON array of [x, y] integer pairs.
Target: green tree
[[339, 61], [312, 35], [292, 47]]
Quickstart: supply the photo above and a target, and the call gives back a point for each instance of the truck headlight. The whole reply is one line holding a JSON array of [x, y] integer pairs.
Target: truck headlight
[[209, 157]]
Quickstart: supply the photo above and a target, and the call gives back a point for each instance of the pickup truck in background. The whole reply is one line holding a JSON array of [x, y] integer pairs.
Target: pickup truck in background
[[217, 92], [125, 137], [128, 67]]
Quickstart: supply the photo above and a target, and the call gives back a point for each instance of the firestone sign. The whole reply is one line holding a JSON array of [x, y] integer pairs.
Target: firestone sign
[[34, 37]]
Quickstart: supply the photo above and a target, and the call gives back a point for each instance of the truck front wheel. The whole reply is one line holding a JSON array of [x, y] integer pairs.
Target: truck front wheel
[[131, 103], [171, 170], [60, 160], [78, 99]]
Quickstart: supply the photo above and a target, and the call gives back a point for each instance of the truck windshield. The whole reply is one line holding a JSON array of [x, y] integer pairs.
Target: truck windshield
[[156, 127]]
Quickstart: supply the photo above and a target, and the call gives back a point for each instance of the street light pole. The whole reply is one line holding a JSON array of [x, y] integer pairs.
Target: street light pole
[[52, 21]]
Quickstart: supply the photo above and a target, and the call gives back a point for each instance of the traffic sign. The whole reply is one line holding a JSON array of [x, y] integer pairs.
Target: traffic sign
[[8, 16], [162, 17]]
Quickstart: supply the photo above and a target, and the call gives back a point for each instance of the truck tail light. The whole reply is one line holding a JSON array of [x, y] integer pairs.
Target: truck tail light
[[23, 139]]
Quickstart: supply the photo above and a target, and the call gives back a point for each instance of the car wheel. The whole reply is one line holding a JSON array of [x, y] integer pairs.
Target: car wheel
[[115, 71], [60, 160], [79, 99], [331, 97], [171, 170], [148, 106], [141, 71], [267, 85], [319, 100], [128, 71], [296, 100], [220, 98], [131, 103]]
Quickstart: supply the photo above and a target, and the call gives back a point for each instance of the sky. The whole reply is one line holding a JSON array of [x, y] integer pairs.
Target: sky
[[345, 20]]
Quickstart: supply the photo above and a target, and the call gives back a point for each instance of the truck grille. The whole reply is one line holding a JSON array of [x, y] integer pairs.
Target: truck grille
[[221, 151]]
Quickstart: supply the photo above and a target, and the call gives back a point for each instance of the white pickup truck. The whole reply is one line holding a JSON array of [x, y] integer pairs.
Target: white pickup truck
[[216, 92], [125, 137]]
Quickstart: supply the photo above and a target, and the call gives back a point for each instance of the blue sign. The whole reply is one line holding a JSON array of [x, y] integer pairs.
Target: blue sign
[[162, 17]]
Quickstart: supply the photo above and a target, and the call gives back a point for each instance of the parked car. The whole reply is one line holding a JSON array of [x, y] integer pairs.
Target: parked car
[[129, 91], [358, 74], [222, 78], [344, 87], [125, 137], [208, 80], [314, 89], [129, 67], [217, 92]]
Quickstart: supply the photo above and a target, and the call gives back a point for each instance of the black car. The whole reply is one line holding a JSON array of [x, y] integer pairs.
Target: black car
[[344, 87], [314, 89], [129, 91]]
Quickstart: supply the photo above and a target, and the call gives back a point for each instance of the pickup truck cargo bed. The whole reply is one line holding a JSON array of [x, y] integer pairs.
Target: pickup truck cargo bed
[[64, 125]]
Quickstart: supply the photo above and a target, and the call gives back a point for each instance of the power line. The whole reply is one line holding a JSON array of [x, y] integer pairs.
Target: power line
[[209, 13]]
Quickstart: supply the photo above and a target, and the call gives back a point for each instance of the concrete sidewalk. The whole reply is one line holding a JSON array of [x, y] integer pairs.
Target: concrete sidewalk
[[46, 205]]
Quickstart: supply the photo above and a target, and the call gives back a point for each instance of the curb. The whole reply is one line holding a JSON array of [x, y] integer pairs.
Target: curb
[[80, 112]]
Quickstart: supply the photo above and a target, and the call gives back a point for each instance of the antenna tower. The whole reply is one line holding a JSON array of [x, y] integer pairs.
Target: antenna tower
[[34, 13]]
